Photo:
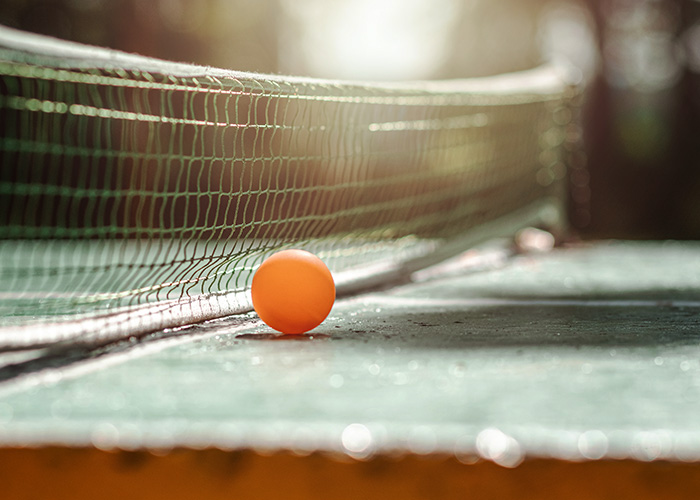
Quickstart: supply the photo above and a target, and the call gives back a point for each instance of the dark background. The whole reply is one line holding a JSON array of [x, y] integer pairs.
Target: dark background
[[642, 129], [644, 144]]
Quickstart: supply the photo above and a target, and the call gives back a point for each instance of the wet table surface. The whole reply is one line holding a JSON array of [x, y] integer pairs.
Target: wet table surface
[[581, 353]]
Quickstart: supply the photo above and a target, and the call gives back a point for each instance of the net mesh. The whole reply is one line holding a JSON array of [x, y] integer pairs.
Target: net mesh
[[137, 194]]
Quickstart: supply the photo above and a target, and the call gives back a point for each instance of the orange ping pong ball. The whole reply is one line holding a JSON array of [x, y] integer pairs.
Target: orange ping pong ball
[[293, 291]]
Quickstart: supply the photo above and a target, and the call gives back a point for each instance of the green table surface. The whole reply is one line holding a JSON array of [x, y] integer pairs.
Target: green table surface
[[585, 352]]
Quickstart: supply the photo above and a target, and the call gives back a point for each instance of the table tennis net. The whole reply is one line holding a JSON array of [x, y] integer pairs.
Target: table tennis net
[[137, 195]]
